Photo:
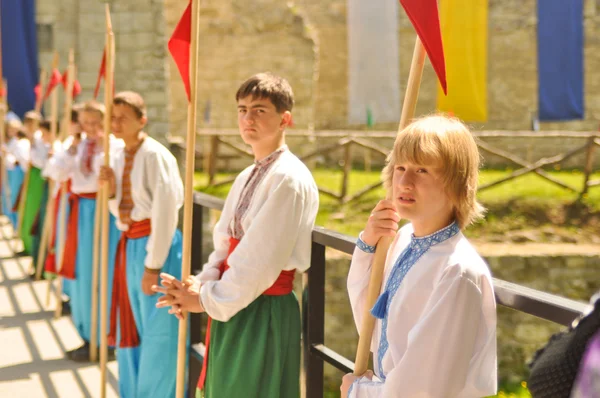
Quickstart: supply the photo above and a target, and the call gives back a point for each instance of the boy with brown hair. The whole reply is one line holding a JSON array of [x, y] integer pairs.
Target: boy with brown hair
[[261, 239], [146, 194], [436, 329]]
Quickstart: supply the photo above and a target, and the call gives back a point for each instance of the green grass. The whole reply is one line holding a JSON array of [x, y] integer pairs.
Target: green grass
[[513, 391], [531, 190]]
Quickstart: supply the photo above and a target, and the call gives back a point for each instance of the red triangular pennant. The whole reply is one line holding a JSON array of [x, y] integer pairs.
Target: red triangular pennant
[[76, 85], [76, 88], [55, 79], [101, 74], [425, 18], [179, 46]]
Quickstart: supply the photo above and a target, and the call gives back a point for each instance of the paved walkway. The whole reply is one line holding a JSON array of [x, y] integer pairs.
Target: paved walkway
[[32, 342]]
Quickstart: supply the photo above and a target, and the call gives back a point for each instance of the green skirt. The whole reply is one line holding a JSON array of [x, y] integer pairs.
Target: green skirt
[[256, 354], [33, 200], [41, 218]]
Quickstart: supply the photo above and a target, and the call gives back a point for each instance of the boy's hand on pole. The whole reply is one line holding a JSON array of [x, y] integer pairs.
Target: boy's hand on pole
[[383, 221]]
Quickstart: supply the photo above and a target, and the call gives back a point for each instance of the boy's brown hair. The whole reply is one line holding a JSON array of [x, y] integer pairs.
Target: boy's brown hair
[[269, 86], [133, 100], [47, 125], [445, 142]]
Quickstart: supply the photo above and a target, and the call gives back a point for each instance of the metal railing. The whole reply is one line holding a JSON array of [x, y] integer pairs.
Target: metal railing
[[530, 301]]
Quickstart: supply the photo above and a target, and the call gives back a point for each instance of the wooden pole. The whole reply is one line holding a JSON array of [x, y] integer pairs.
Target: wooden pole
[[188, 204], [95, 279], [22, 200], [39, 101], [49, 220], [212, 161], [108, 98], [589, 166], [3, 111], [62, 225], [46, 231], [368, 322]]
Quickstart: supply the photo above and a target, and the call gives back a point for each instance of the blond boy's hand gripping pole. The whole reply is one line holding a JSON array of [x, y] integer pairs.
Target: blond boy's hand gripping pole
[[368, 321]]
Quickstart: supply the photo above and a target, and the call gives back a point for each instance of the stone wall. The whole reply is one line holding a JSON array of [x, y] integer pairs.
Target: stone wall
[[237, 40], [227, 56], [139, 29], [306, 41]]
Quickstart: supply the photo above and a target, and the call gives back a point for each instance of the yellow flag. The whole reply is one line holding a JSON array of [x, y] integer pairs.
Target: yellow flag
[[464, 33]]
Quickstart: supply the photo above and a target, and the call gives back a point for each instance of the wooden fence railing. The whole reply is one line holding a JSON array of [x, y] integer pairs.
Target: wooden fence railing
[[347, 141]]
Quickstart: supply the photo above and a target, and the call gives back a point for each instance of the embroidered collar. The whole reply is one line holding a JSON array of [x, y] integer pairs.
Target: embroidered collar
[[436, 237], [272, 157], [133, 151]]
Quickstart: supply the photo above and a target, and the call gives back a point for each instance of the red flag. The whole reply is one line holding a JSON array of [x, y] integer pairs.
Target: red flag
[[179, 46], [425, 18], [76, 88], [55, 79], [101, 74], [76, 85]]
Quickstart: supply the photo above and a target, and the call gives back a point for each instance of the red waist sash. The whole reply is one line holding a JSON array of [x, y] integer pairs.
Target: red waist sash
[[70, 249], [282, 286], [120, 295]]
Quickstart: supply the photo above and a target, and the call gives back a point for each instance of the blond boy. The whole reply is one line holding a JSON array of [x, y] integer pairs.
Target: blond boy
[[436, 329]]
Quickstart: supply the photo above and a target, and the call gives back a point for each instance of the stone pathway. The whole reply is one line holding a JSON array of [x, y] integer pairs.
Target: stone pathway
[[32, 342]]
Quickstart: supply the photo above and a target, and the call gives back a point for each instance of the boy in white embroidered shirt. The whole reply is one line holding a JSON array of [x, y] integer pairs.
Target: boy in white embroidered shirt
[[261, 239], [436, 329]]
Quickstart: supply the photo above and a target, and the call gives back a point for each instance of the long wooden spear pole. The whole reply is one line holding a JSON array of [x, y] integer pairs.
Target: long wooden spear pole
[[189, 193], [368, 321], [3, 111], [40, 100], [64, 132], [108, 98], [50, 206], [97, 230]]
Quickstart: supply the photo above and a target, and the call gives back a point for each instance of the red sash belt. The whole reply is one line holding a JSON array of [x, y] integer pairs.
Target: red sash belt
[[70, 250], [120, 295], [282, 286]]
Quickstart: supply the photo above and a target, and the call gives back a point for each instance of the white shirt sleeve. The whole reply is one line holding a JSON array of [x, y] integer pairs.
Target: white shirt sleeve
[[22, 153], [50, 166], [39, 154], [63, 163], [10, 160], [440, 346], [167, 199], [260, 256], [358, 282]]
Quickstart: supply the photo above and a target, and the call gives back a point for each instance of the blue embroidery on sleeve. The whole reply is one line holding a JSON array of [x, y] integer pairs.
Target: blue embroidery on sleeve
[[364, 247]]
